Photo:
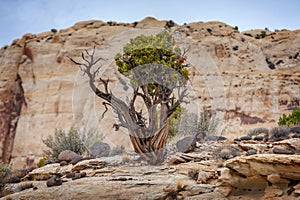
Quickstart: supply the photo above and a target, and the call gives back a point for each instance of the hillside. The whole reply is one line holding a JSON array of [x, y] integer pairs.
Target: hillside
[[249, 79]]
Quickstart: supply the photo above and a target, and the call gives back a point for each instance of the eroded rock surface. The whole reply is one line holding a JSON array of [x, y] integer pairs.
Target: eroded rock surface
[[248, 80]]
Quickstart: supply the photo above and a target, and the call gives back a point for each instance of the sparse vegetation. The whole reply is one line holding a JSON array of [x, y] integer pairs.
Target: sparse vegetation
[[155, 66], [63, 141], [292, 119], [174, 122], [42, 162], [257, 131], [4, 175], [279, 133], [53, 30], [207, 123], [248, 34], [262, 34], [89, 137]]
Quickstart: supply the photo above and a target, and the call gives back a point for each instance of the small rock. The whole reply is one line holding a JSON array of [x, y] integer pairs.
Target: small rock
[[272, 192], [67, 155], [76, 176], [54, 181], [251, 152], [245, 138], [70, 175], [100, 149], [295, 129], [76, 159], [214, 138], [186, 144], [282, 151], [297, 135], [259, 138], [63, 163], [83, 174]]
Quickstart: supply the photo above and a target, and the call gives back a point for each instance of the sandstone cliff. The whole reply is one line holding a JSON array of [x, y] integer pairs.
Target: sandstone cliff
[[249, 79]]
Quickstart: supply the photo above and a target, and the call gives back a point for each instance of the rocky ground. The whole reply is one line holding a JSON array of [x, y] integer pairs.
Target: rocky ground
[[240, 169]]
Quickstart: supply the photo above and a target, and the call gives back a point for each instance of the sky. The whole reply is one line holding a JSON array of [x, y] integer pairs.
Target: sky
[[18, 17]]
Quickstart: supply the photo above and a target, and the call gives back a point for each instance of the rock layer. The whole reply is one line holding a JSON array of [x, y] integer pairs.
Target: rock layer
[[247, 81]]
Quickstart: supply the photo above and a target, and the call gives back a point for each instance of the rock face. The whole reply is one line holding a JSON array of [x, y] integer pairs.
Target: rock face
[[271, 176], [247, 81]]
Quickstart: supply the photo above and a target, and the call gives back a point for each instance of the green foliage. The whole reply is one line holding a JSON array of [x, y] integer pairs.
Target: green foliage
[[62, 141], [292, 119], [42, 162], [174, 121], [5, 171], [261, 35], [53, 30], [158, 49]]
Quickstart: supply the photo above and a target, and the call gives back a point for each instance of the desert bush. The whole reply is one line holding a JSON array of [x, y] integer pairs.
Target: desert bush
[[63, 141], [174, 122], [89, 137], [292, 119], [277, 133], [42, 162], [257, 131], [4, 175], [261, 35], [53, 30], [207, 123]]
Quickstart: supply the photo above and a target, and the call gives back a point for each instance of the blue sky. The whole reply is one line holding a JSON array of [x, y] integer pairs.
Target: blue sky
[[18, 17]]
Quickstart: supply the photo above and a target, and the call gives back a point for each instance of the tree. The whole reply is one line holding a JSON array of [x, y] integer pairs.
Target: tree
[[157, 73]]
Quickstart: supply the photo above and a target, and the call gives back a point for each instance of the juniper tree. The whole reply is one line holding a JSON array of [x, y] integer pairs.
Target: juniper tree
[[157, 72]]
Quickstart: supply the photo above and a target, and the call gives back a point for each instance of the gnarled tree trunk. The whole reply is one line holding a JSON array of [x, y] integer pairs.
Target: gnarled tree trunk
[[148, 137]]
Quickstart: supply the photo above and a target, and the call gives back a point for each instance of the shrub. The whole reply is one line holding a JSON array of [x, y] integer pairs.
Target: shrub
[[257, 131], [261, 35], [292, 119], [42, 162], [4, 175], [53, 30], [278, 133], [91, 136], [174, 122], [62, 141], [207, 123]]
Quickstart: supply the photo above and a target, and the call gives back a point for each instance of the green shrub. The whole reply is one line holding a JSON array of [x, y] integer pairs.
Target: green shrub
[[292, 119], [53, 30], [261, 35], [4, 175], [63, 141], [174, 122], [42, 162]]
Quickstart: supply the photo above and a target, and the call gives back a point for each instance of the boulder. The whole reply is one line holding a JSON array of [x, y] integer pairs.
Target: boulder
[[186, 144], [100, 149], [67, 155]]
